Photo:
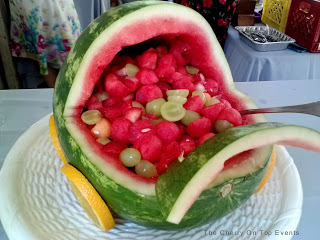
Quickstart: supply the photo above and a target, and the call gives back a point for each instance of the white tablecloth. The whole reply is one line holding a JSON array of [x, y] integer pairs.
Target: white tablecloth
[[248, 65], [25, 107]]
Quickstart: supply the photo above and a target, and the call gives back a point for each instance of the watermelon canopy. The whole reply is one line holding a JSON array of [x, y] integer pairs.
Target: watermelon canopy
[[125, 28], [107, 36]]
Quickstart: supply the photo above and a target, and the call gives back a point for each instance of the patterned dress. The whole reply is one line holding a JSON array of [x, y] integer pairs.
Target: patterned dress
[[43, 30]]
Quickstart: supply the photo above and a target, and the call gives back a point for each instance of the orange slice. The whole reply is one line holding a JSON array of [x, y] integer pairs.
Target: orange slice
[[269, 170], [55, 140], [88, 197]]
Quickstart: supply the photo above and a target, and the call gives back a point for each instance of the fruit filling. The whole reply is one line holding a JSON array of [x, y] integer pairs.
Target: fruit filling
[[155, 107]]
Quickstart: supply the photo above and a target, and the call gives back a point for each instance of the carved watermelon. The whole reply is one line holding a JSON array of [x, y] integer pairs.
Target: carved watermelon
[[127, 62]]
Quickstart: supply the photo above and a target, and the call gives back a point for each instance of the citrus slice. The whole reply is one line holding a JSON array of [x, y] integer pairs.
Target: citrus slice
[[88, 197], [55, 140], [269, 170]]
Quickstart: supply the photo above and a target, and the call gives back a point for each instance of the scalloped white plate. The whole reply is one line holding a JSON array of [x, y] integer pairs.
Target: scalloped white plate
[[37, 202]]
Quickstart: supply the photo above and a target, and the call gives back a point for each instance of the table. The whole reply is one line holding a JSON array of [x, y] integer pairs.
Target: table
[[25, 107], [248, 65]]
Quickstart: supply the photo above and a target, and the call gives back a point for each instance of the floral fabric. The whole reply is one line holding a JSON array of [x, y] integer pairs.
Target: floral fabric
[[43, 30], [217, 12]]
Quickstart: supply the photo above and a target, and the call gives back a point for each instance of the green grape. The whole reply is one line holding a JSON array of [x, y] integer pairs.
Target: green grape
[[201, 94], [178, 92], [131, 70], [190, 117], [222, 125], [172, 111], [155, 106], [211, 101], [91, 117], [156, 121], [130, 157], [101, 96], [145, 169], [192, 70], [138, 105], [177, 99]]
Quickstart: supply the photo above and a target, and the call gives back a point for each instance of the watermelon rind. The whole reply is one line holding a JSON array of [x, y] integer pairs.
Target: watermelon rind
[[130, 197], [180, 186]]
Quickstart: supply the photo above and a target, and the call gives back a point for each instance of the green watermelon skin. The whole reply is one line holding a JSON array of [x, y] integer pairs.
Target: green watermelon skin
[[145, 210], [136, 207]]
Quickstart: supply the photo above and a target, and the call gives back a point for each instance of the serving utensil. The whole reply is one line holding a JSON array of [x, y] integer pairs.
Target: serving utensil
[[309, 108]]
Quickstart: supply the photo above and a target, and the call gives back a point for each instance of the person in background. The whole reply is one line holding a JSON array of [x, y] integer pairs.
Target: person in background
[[45, 31]]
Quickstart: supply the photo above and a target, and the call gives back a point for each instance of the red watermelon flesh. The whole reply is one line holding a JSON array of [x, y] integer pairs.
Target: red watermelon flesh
[[161, 69], [158, 141]]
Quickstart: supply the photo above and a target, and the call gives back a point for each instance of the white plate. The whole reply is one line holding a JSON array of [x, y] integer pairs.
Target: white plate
[[36, 201]]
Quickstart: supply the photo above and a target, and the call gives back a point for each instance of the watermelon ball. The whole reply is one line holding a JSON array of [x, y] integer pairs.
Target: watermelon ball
[[225, 103], [147, 93], [92, 100], [111, 101], [148, 59], [199, 127], [177, 76], [133, 114], [170, 153], [194, 103], [125, 106], [231, 115], [183, 83], [150, 116], [164, 71], [168, 131], [212, 111], [187, 144], [111, 112], [164, 87], [139, 128], [132, 83], [162, 50], [149, 146], [204, 138], [182, 70], [211, 87], [114, 86], [95, 106], [167, 60], [120, 129], [147, 76]]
